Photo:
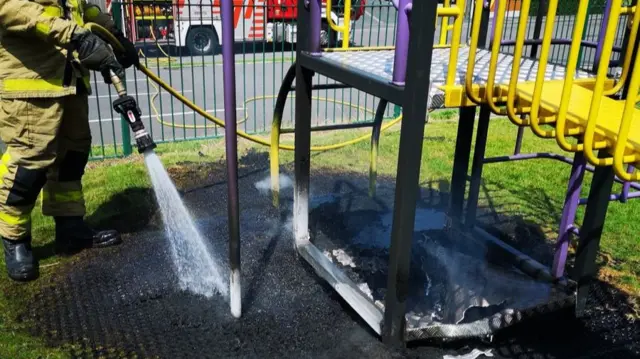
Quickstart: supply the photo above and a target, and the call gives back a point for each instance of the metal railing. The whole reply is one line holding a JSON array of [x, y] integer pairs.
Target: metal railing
[[179, 41]]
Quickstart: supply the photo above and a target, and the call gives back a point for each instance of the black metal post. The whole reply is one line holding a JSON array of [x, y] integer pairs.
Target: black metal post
[[519, 136], [484, 27], [585, 269], [537, 27], [302, 130], [410, 154], [375, 144], [461, 161], [476, 167]]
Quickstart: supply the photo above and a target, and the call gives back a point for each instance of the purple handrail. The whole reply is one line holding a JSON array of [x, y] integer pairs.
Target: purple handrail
[[402, 43]]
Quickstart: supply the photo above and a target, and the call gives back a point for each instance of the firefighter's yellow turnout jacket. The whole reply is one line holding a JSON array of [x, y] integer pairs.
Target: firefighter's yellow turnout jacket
[[34, 37]]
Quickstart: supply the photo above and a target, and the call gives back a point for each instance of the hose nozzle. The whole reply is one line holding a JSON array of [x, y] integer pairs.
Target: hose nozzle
[[128, 108]]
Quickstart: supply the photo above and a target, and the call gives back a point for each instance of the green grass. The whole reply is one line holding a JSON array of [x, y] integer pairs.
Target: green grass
[[532, 190]]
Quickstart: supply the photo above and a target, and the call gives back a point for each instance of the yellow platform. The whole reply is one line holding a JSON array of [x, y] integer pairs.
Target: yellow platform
[[609, 115]]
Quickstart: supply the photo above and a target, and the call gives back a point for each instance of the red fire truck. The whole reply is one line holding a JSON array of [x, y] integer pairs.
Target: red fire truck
[[197, 26]]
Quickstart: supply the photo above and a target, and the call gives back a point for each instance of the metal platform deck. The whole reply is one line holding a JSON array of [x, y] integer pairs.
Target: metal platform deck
[[367, 68]]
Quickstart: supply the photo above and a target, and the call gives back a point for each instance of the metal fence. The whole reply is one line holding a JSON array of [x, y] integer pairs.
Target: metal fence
[[179, 43]]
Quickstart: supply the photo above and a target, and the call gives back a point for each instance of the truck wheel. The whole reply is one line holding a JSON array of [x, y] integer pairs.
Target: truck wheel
[[327, 38], [202, 41]]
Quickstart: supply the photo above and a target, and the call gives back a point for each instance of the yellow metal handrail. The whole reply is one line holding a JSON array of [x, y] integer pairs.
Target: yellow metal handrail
[[572, 64], [444, 12], [629, 54], [444, 26], [473, 49], [495, 53], [345, 28], [515, 68], [598, 91], [456, 36], [534, 115], [619, 158]]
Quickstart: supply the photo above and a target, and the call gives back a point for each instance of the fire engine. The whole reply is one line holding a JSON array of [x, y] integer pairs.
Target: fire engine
[[197, 26]]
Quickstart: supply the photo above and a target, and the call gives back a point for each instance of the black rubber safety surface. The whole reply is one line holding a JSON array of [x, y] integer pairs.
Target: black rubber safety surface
[[124, 302]]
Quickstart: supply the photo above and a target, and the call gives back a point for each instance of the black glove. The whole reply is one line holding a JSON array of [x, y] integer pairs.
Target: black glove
[[95, 54], [129, 57]]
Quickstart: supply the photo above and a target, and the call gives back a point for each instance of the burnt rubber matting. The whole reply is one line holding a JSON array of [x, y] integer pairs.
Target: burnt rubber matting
[[460, 286], [124, 302]]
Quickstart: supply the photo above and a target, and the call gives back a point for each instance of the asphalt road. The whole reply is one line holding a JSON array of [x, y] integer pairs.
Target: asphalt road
[[259, 73]]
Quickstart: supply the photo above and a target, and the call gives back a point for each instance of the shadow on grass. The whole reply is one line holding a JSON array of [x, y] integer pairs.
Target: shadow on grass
[[128, 211]]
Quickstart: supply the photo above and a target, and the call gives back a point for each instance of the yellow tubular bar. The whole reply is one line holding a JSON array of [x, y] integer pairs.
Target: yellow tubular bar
[[515, 69], [452, 70], [449, 11], [635, 22], [473, 48], [344, 29], [495, 53], [598, 90], [572, 64], [627, 10], [444, 26], [619, 158], [540, 76]]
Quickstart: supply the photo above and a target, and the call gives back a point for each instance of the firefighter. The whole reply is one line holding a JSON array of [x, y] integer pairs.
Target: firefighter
[[45, 58]]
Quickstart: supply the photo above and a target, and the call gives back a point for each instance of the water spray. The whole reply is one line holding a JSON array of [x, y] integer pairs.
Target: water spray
[[127, 107]]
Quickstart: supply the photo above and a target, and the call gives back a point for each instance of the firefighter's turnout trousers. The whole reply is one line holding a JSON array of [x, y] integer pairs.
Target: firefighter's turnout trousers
[[47, 148], [43, 110]]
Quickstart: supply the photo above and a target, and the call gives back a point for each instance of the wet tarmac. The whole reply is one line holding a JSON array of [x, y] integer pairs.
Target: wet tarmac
[[125, 302]]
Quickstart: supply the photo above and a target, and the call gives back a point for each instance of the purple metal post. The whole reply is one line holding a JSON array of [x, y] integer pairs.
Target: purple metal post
[[624, 195], [315, 12], [231, 140], [617, 197], [571, 202], [603, 28], [553, 156], [493, 23], [402, 44]]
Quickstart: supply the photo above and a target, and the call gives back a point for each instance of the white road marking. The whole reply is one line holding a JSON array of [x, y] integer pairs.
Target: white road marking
[[373, 17], [114, 119]]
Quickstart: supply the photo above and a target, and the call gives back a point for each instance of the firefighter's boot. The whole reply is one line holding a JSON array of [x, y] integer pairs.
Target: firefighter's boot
[[19, 259], [73, 235]]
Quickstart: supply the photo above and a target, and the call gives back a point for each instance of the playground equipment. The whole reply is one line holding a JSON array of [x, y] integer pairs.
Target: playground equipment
[[456, 75], [555, 100]]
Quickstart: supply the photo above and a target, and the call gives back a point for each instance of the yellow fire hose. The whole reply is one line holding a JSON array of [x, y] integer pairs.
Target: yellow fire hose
[[245, 103]]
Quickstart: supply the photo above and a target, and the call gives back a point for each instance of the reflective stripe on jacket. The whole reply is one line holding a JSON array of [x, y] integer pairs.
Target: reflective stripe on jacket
[[34, 37]]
